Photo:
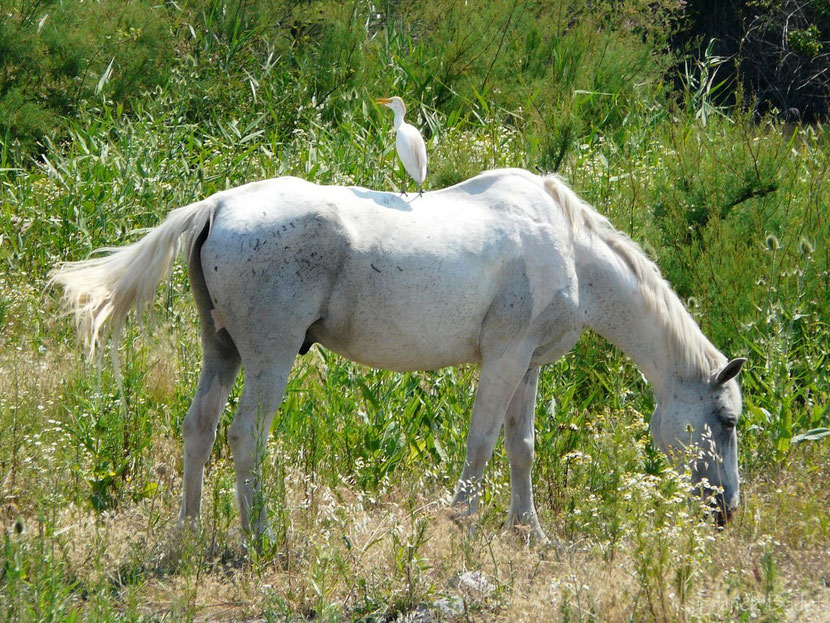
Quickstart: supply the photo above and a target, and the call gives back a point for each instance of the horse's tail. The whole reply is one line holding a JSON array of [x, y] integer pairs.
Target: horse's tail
[[99, 292]]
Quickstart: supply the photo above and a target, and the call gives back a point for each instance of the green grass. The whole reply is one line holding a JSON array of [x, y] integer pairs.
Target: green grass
[[361, 462]]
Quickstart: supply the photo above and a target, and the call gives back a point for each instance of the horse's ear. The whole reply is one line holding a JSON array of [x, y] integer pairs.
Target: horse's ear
[[729, 371]]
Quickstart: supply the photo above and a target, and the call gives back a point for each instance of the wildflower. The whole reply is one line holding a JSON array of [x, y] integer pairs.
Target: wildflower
[[578, 458]]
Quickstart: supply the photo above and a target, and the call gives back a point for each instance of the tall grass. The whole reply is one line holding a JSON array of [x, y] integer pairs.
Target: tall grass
[[362, 461]]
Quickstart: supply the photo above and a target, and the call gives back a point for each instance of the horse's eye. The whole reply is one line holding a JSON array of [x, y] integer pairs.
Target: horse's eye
[[727, 421]]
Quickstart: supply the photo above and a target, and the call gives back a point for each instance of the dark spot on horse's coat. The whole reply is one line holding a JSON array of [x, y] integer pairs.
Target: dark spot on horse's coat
[[215, 268], [512, 421], [399, 268], [292, 225], [375, 268], [215, 301]]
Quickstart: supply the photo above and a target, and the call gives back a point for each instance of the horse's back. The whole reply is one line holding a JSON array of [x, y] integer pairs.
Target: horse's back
[[392, 282]]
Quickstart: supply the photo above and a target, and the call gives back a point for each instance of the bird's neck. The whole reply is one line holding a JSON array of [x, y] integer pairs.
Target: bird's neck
[[398, 119]]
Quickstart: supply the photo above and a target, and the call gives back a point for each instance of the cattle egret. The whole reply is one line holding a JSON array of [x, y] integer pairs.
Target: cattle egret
[[410, 144]]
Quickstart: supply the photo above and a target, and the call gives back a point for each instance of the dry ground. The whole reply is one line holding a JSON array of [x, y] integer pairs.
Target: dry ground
[[398, 554]]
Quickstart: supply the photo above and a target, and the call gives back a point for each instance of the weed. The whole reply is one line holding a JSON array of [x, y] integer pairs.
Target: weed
[[360, 461]]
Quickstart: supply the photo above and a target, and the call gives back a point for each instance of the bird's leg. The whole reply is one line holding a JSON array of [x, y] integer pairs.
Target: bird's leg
[[402, 173]]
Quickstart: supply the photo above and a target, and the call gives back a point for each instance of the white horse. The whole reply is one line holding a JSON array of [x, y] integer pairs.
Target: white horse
[[504, 270]]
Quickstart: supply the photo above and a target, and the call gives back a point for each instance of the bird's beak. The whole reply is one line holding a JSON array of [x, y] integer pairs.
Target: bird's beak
[[383, 100]]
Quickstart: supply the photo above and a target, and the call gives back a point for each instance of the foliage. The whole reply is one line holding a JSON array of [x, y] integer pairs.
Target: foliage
[[778, 48], [57, 58], [361, 461]]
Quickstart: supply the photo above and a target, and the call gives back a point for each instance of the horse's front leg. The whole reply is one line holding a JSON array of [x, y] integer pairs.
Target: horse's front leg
[[519, 438], [498, 383]]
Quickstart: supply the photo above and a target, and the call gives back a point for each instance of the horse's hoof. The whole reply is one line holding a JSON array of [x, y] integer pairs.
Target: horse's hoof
[[188, 523], [530, 535], [461, 516]]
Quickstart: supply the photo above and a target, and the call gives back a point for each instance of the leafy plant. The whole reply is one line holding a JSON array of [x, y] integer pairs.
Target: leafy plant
[[58, 57], [361, 462]]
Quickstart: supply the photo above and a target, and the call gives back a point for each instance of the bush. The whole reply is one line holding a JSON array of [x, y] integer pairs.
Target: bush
[[779, 51], [58, 57]]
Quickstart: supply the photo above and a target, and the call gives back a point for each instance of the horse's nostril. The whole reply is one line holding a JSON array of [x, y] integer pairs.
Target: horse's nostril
[[723, 514]]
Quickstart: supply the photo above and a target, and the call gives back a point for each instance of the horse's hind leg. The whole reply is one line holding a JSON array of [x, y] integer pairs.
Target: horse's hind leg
[[519, 439], [220, 365], [261, 397]]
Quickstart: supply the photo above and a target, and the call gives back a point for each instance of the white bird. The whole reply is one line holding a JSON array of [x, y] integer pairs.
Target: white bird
[[410, 143]]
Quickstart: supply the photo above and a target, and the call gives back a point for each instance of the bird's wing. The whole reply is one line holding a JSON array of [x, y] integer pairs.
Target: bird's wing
[[421, 157], [412, 152]]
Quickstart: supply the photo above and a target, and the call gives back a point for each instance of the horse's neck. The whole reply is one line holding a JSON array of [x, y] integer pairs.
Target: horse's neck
[[616, 307]]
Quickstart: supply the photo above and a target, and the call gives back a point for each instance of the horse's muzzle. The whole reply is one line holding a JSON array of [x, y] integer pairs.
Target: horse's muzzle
[[722, 516], [723, 511]]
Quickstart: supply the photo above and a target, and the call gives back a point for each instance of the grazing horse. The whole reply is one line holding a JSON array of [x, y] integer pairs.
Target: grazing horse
[[504, 270]]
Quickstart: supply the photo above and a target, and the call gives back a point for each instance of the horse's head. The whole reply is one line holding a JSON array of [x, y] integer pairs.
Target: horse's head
[[694, 422]]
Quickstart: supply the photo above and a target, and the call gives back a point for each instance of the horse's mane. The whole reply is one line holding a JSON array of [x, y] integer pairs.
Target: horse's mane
[[692, 348]]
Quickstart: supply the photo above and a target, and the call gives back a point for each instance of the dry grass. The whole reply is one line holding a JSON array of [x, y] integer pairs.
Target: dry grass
[[345, 552]]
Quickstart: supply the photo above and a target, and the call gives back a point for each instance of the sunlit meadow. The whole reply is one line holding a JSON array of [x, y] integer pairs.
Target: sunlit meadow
[[361, 463]]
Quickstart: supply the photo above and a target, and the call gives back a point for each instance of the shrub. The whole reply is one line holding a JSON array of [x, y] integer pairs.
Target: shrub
[[56, 58], [779, 49]]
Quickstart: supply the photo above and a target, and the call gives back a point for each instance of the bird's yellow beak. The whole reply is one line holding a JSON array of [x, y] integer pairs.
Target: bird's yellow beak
[[383, 100]]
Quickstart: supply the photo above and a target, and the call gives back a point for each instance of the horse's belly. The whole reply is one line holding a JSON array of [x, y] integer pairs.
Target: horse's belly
[[405, 317], [386, 342], [403, 357]]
